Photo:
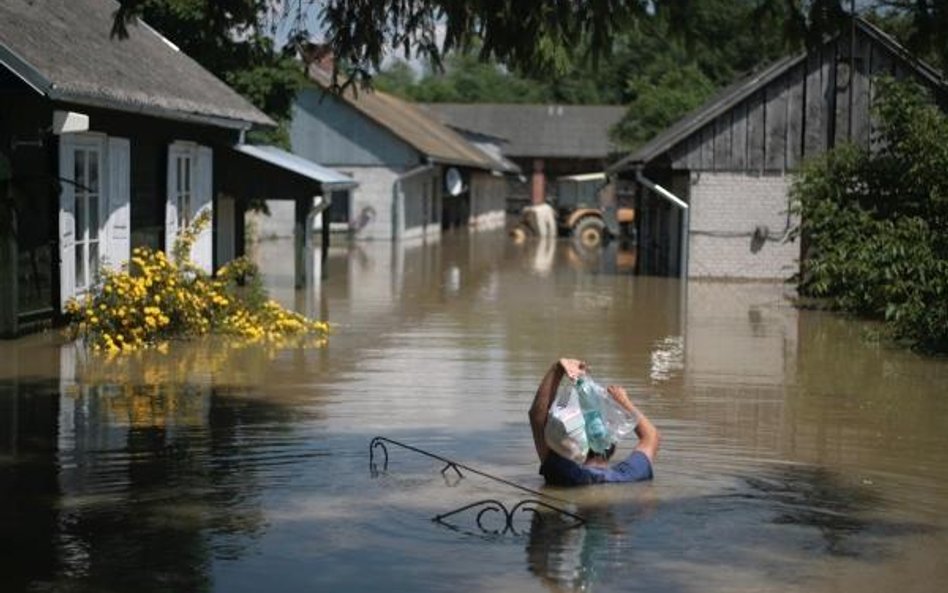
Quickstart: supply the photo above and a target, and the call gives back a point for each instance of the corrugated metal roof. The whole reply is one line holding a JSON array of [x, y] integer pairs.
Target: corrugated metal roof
[[531, 130], [63, 49], [732, 95], [413, 125], [297, 164]]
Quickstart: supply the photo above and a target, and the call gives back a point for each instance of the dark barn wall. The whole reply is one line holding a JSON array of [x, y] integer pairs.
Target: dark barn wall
[[822, 101], [29, 200]]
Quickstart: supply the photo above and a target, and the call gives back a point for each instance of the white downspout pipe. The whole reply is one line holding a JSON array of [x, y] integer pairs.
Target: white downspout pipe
[[398, 201], [685, 216]]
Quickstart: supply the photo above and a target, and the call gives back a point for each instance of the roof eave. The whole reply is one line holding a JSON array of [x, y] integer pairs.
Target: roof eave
[[159, 112], [456, 162], [24, 71]]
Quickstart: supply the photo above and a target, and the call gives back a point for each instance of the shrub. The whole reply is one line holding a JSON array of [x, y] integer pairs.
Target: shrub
[[152, 299], [874, 222]]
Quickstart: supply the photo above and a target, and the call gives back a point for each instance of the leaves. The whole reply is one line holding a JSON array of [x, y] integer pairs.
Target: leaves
[[875, 224]]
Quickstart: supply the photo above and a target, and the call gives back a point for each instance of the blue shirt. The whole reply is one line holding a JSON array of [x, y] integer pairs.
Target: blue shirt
[[564, 472]]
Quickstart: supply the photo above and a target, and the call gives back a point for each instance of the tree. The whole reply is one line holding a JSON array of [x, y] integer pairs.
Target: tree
[[536, 36], [876, 223], [465, 80], [660, 98], [661, 57]]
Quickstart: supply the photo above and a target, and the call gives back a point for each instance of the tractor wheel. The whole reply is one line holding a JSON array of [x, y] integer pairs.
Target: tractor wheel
[[589, 231]]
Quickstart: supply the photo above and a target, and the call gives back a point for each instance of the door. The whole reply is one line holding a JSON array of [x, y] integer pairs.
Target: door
[[81, 214]]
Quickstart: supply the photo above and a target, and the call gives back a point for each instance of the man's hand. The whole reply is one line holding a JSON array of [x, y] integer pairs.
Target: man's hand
[[574, 368], [621, 397], [546, 392], [649, 437]]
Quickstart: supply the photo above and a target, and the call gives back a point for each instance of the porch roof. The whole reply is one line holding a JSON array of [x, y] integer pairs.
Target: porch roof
[[329, 178]]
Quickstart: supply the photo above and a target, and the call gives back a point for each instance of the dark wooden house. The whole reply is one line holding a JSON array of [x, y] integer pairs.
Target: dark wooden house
[[108, 144], [731, 160]]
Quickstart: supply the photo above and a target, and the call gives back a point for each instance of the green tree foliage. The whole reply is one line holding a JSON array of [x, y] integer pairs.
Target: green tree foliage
[[660, 97], [659, 57], [464, 80], [876, 223], [537, 36], [664, 65]]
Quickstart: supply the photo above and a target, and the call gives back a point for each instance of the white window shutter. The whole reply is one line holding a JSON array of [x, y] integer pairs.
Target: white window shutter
[[171, 206], [67, 219], [203, 251], [118, 217]]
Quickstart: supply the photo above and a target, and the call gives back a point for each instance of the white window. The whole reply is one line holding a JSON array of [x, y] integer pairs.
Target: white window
[[183, 187], [93, 208], [189, 193], [87, 178]]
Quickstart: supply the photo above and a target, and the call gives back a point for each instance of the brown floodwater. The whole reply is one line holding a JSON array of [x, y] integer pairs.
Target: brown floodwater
[[798, 453]]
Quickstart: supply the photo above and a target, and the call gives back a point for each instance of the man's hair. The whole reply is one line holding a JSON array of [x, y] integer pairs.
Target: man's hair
[[601, 456]]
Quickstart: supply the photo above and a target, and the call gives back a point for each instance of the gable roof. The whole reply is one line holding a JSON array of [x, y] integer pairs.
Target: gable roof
[[532, 130], [411, 124], [63, 50], [730, 96]]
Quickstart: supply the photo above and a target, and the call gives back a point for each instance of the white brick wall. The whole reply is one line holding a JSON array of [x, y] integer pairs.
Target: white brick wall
[[726, 208], [372, 201]]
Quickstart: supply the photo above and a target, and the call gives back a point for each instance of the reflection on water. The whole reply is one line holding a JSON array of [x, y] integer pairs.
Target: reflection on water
[[797, 456]]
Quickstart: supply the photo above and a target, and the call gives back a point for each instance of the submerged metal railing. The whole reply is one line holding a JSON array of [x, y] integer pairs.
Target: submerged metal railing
[[532, 506]]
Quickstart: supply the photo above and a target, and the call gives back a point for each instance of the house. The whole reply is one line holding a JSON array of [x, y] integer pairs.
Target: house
[[108, 144], [416, 176], [545, 141], [713, 188]]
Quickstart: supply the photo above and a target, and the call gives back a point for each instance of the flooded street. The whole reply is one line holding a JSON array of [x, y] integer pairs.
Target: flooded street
[[797, 454]]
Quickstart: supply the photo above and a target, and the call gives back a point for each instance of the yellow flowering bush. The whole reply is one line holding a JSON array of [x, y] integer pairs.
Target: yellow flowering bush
[[153, 299]]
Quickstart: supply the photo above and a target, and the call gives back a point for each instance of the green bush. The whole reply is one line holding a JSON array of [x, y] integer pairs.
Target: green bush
[[874, 222]]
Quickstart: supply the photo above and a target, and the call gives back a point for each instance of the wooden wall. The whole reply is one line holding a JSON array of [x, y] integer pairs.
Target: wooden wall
[[822, 100]]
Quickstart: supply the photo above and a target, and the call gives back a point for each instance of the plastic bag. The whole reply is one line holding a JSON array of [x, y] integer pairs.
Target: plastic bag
[[619, 421], [565, 430]]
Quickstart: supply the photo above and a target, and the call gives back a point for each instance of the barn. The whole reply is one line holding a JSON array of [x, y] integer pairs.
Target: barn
[[712, 191]]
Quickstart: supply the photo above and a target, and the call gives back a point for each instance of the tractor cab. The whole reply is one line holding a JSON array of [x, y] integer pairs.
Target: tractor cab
[[587, 210]]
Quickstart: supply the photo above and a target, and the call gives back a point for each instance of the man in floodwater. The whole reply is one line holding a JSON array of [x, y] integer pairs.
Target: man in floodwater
[[559, 471]]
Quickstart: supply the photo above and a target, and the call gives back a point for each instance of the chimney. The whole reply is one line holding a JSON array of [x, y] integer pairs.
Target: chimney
[[319, 54]]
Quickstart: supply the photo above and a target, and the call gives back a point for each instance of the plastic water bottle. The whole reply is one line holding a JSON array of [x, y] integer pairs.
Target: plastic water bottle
[[590, 401]]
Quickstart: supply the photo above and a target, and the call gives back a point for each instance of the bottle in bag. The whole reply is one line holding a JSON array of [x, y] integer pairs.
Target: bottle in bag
[[591, 403]]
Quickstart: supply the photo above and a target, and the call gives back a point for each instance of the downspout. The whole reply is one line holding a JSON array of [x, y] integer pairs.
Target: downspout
[[319, 205], [685, 216], [398, 202]]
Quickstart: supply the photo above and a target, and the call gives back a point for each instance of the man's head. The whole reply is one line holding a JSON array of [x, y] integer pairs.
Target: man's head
[[593, 458]]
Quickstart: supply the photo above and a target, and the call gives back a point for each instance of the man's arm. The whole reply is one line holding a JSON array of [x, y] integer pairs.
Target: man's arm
[[544, 397], [649, 437]]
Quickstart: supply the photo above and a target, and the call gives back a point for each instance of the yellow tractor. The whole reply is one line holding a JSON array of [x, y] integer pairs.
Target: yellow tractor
[[587, 210]]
